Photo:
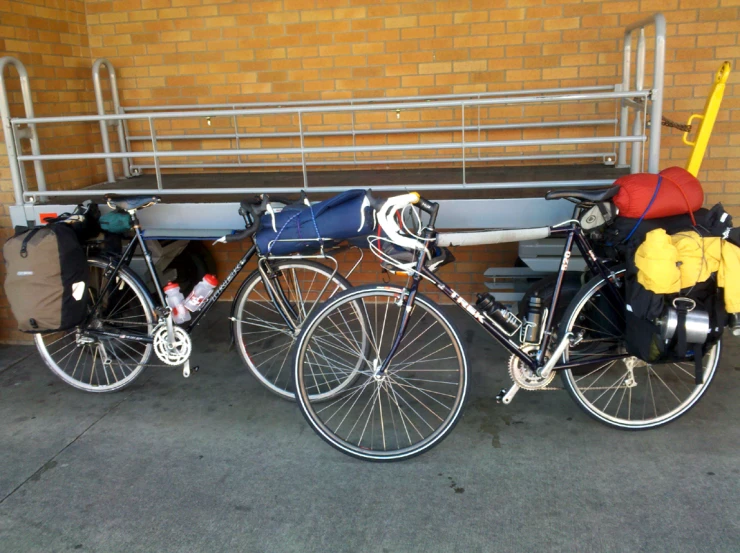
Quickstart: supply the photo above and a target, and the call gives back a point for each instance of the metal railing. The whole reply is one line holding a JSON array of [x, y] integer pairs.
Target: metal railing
[[100, 104], [634, 101], [13, 136], [656, 104]]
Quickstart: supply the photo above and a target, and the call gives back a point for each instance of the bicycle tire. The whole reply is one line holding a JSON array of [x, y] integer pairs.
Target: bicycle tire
[[143, 312], [404, 407], [583, 388], [280, 384]]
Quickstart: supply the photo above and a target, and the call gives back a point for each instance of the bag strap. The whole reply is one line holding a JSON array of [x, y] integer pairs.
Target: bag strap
[[682, 346], [58, 219], [688, 204], [652, 200], [605, 212], [24, 244], [277, 236]]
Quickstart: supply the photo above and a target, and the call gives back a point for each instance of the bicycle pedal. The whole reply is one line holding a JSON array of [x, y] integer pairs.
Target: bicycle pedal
[[505, 396]]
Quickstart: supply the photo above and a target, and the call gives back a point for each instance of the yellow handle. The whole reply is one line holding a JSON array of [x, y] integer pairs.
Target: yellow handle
[[694, 116], [711, 109], [724, 73]]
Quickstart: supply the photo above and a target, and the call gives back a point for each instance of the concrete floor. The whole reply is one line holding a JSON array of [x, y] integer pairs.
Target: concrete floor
[[214, 463]]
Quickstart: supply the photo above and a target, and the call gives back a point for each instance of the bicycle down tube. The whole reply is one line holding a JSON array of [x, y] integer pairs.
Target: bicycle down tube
[[573, 234]]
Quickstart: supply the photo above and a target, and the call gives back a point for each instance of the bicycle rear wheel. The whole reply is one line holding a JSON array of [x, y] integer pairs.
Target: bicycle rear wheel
[[94, 364], [628, 393], [390, 417], [264, 338]]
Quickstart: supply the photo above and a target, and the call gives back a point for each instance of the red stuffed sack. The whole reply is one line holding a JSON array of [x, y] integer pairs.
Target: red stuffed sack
[[680, 192]]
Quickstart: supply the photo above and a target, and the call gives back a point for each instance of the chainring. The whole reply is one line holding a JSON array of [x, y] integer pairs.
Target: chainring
[[525, 377], [176, 354]]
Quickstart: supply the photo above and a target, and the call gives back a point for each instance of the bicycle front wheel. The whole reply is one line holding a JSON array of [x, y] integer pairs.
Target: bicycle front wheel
[[263, 336], [628, 393], [407, 410], [96, 364]]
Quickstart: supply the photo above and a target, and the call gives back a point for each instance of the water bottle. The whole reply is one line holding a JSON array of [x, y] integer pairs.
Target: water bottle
[[534, 319], [498, 313], [201, 292], [176, 300]]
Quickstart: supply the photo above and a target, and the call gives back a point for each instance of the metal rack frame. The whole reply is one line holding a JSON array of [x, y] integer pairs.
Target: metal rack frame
[[631, 101]]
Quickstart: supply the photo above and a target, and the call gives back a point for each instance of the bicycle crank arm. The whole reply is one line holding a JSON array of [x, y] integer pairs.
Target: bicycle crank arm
[[505, 396], [544, 372], [186, 369]]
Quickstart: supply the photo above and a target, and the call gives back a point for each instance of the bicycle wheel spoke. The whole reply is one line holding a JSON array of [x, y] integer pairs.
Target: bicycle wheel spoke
[[666, 385], [394, 413], [637, 394]]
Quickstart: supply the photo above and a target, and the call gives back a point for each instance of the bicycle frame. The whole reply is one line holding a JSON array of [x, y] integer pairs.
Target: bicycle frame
[[125, 260], [573, 233], [274, 290]]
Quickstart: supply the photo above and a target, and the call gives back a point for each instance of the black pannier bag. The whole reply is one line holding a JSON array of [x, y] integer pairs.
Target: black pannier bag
[[296, 227], [624, 234], [47, 278], [658, 327]]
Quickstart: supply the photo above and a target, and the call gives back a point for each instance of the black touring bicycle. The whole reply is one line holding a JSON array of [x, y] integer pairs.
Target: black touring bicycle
[[129, 327], [405, 363]]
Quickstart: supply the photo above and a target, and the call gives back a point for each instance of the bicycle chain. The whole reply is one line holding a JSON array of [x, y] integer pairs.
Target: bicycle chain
[[155, 365], [127, 324]]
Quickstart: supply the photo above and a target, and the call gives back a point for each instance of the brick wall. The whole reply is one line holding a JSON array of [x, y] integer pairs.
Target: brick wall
[[208, 51], [191, 51], [50, 37]]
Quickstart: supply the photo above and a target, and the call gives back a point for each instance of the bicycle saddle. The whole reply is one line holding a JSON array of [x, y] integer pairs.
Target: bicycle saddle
[[128, 203], [596, 195]]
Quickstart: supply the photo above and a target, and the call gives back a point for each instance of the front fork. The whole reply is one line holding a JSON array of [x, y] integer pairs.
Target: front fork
[[410, 295]]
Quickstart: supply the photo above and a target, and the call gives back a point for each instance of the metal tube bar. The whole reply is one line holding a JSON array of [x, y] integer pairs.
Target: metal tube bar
[[356, 101], [479, 128], [410, 130], [344, 149], [640, 61], [318, 189], [380, 162], [18, 148], [656, 107], [597, 96], [635, 165], [633, 104], [119, 124], [462, 125], [157, 169], [656, 94], [16, 177], [101, 111], [303, 151], [354, 136], [123, 143], [635, 162], [236, 135], [624, 115]]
